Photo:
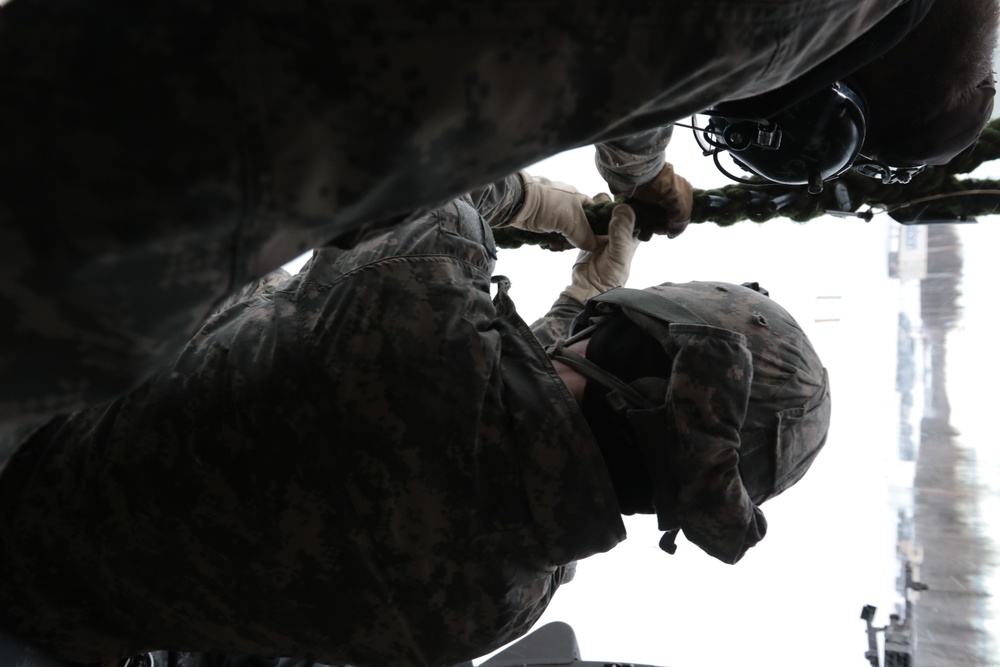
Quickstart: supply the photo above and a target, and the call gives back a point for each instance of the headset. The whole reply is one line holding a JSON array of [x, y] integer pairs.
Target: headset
[[814, 140], [809, 130]]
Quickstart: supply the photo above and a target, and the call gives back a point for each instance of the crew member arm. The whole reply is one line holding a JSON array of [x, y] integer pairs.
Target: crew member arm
[[499, 201], [633, 160], [555, 324], [536, 204], [595, 271]]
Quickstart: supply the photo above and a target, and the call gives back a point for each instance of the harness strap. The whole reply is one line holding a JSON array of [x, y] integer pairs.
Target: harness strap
[[588, 368], [654, 305]]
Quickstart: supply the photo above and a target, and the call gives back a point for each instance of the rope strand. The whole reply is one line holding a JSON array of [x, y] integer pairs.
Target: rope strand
[[758, 203]]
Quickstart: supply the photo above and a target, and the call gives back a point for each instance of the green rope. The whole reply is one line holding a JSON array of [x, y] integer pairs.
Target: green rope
[[758, 203]]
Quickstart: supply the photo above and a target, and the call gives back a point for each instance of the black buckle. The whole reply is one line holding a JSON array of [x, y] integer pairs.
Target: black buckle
[[888, 175]]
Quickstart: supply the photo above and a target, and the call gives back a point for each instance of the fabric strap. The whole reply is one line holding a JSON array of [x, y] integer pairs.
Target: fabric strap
[[588, 368], [654, 305]]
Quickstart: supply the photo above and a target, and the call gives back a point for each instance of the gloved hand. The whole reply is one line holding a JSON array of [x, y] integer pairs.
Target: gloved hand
[[550, 206], [671, 193], [608, 265]]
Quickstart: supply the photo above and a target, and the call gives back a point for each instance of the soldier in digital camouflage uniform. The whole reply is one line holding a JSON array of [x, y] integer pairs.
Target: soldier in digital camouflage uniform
[[157, 156], [373, 462]]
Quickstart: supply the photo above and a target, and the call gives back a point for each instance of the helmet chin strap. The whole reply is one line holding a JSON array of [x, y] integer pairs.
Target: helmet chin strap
[[592, 371], [628, 403]]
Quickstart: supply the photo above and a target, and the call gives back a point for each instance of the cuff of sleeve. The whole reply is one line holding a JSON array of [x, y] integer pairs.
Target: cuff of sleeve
[[632, 161]]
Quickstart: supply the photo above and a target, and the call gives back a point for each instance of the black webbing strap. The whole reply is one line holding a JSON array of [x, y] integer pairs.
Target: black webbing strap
[[582, 365]]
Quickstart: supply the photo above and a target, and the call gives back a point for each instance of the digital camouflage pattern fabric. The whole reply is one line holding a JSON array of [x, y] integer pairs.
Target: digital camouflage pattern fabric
[[158, 156], [788, 404], [741, 415], [370, 463]]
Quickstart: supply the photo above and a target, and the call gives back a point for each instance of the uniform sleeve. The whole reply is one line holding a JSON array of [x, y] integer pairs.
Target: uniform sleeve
[[709, 392], [555, 324], [499, 201], [631, 161], [263, 285]]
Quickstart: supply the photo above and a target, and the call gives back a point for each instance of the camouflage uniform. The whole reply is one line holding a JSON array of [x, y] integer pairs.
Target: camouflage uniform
[[371, 462], [155, 156], [628, 162]]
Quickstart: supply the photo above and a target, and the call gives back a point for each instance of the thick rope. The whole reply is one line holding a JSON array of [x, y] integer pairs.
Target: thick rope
[[848, 194]]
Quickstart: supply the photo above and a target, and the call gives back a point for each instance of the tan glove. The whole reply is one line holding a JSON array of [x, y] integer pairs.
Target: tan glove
[[550, 206], [607, 266], [671, 193]]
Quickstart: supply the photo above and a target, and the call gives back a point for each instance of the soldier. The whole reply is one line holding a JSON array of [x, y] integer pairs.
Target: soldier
[[158, 156], [373, 462]]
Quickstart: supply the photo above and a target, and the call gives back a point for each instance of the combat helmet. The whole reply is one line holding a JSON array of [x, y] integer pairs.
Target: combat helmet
[[788, 408]]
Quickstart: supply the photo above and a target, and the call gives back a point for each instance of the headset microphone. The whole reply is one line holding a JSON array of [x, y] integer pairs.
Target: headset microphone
[[807, 143]]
